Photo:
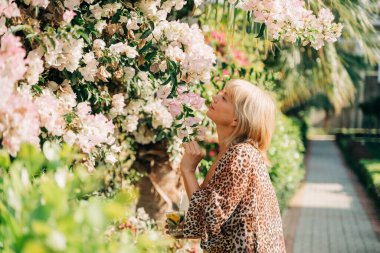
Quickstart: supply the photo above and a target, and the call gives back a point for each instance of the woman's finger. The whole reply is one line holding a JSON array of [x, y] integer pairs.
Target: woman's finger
[[196, 148], [186, 146], [191, 147]]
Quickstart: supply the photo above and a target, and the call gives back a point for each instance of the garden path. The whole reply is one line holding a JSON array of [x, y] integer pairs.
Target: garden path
[[326, 215]]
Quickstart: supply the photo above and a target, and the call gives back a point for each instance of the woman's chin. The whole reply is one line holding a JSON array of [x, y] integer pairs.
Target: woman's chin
[[210, 115]]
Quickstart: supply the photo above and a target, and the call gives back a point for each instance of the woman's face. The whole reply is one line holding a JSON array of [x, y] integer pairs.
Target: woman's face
[[222, 111]]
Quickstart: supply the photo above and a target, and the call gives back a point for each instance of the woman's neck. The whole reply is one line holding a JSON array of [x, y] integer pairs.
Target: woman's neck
[[223, 134]]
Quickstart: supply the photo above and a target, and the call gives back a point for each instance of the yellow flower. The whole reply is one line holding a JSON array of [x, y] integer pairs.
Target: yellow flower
[[174, 217]]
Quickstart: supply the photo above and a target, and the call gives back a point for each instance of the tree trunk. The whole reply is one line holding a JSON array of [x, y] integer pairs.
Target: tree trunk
[[160, 189]]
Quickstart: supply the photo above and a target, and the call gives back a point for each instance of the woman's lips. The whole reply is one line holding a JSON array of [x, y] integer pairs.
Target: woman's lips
[[212, 107]]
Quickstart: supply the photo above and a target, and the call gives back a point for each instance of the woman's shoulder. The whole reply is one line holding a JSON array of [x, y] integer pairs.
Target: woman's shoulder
[[245, 148]]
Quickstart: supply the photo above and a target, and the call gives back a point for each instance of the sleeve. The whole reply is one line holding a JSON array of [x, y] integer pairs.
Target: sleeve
[[210, 207]]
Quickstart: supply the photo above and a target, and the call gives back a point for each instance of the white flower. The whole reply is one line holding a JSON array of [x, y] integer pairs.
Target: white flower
[[51, 111], [110, 158], [163, 92], [41, 3], [149, 7], [51, 150], [96, 11], [118, 48], [131, 123], [66, 54], [89, 71], [110, 9], [70, 137], [144, 135], [175, 53], [163, 66], [141, 214], [71, 4], [35, 66], [72, 49], [67, 95], [99, 26], [199, 2], [129, 72], [3, 27], [162, 117], [117, 104], [131, 52], [103, 74], [99, 44], [133, 24]]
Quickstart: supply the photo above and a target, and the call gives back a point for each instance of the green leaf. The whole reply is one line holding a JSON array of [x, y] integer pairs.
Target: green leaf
[[261, 32], [166, 82], [37, 88], [32, 158], [146, 47], [52, 41], [84, 36], [5, 160], [150, 56], [146, 34]]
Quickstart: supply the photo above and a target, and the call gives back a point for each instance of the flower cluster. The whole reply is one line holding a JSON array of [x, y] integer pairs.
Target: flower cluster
[[19, 122], [95, 74], [291, 21], [185, 45]]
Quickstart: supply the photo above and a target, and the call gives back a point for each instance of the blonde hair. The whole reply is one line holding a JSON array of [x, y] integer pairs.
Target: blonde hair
[[255, 112]]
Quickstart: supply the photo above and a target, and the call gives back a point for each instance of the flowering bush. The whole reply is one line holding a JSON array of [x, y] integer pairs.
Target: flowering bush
[[290, 21], [98, 74]]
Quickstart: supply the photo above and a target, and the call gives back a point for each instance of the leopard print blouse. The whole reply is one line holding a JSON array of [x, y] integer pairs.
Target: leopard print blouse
[[238, 210]]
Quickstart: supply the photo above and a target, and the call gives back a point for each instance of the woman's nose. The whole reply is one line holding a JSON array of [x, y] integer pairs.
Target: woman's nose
[[215, 98]]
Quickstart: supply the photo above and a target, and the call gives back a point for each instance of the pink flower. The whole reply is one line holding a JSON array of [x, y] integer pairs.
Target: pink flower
[[290, 20], [83, 109], [51, 112], [174, 106], [325, 16], [181, 89], [220, 37], [19, 122], [184, 98], [96, 130], [225, 72], [182, 133], [9, 9], [195, 100], [3, 27], [212, 153], [240, 58], [68, 15], [190, 121], [163, 92], [12, 62], [201, 133]]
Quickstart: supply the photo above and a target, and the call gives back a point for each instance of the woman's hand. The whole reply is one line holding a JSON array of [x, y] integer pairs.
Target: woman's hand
[[192, 156]]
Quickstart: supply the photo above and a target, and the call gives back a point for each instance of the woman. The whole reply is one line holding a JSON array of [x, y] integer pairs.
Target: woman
[[235, 209]]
